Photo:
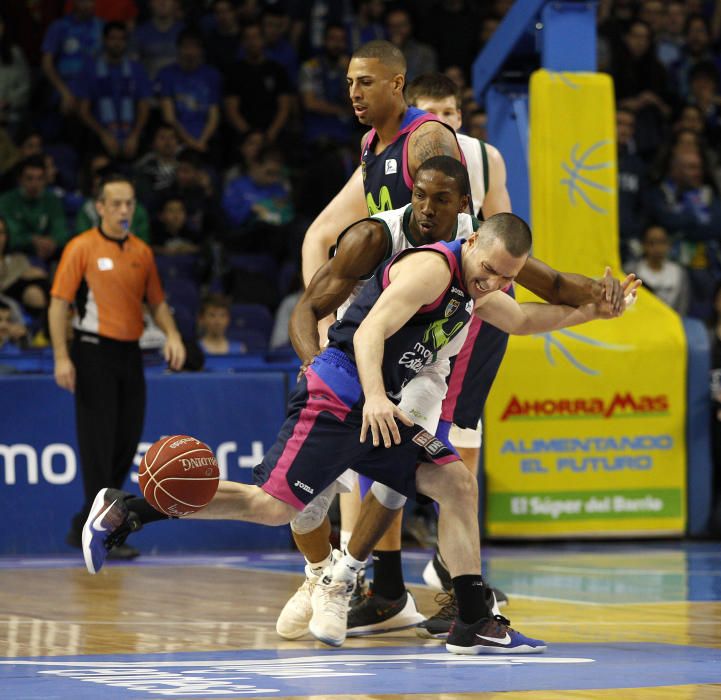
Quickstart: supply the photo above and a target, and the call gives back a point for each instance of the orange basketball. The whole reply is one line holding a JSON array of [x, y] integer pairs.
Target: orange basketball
[[179, 475]]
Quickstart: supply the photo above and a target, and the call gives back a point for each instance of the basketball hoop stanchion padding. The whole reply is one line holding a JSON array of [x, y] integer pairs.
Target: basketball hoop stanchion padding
[[585, 427]]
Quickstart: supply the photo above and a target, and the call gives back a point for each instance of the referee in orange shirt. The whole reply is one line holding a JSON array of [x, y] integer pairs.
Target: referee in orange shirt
[[108, 273]]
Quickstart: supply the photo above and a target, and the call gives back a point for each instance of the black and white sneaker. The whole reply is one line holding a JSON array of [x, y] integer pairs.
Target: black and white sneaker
[[107, 526], [490, 635], [437, 626], [375, 614]]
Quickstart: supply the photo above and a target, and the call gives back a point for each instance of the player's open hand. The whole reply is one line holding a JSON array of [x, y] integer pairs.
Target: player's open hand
[[380, 414]]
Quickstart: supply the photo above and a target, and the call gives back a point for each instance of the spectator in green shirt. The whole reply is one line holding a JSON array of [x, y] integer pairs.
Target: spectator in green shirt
[[34, 216]]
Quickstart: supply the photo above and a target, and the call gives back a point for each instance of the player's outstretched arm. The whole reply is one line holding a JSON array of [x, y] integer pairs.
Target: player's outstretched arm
[[569, 288], [506, 313], [347, 207], [428, 140], [415, 281], [360, 250]]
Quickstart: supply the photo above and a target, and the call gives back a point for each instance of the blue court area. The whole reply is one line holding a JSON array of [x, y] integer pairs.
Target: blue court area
[[391, 670]]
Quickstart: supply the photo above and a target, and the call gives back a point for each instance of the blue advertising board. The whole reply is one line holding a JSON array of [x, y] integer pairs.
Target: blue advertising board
[[237, 415]]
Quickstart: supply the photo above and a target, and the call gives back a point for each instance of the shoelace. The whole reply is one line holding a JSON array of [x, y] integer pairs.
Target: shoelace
[[334, 598], [120, 534], [503, 621], [449, 606]]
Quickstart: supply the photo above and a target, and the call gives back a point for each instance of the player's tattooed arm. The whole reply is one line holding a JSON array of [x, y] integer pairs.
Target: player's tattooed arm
[[428, 140], [570, 288], [359, 251]]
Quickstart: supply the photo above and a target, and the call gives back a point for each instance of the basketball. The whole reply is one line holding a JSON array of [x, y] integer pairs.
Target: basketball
[[179, 475]]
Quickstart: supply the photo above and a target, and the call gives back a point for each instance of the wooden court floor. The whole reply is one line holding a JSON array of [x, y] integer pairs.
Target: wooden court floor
[[631, 620]]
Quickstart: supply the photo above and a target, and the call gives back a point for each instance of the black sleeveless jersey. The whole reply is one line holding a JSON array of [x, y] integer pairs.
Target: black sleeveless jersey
[[386, 179], [417, 343]]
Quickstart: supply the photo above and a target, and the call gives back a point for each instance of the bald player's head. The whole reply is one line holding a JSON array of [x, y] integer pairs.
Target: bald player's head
[[376, 78]]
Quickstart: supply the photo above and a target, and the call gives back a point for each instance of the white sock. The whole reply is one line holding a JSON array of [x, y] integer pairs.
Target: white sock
[[345, 539], [318, 567], [347, 568]]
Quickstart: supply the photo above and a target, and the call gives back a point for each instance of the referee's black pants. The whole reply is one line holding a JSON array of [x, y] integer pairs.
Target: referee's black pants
[[109, 412]]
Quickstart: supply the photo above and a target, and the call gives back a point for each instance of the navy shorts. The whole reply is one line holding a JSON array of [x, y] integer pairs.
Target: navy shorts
[[320, 439], [473, 372]]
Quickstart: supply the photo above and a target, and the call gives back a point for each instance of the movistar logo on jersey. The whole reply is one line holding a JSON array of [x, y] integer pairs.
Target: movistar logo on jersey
[[435, 337], [384, 201], [438, 336]]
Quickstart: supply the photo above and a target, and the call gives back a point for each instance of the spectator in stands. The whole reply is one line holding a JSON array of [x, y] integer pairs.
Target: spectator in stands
[[69, 42], [258, 93], [248, 151], [213, 322], [34, 216], [19, 279], [190, 93], [684, 202], [324, 94], [697, 48], [310, 19], [670, 40], [125, 11], [641, 85], [223, 38], [420, 58], [99, 166], [368, 23], [171, 235], [477, 125], [275, 24], [666, 279], [14, 81], [155, 171], [259, 210], [194, 186], [704, 94], [154, 41], [115, 95], [263, 195], [8, 346], [632, 174], [18, 329]]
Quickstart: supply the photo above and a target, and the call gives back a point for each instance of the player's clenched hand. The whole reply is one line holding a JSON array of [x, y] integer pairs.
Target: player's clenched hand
[[65, 374], [629, 289], [380, 414], [607, 291]]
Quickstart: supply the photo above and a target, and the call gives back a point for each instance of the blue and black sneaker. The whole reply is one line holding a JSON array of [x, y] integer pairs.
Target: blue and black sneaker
[[107, 526], [490, 635]]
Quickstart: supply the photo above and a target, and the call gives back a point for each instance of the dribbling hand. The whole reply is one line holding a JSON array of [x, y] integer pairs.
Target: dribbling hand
[[380, 414]]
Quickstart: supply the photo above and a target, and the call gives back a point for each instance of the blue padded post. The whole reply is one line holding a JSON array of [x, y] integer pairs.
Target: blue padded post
[[698, 425], [568, 39]]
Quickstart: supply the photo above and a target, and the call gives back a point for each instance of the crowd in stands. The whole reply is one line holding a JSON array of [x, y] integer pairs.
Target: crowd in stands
[[232, 118]]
